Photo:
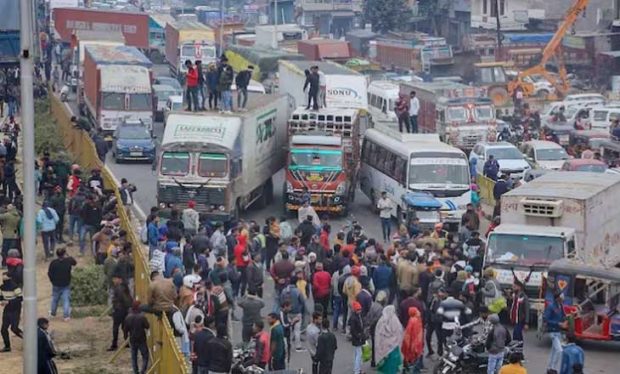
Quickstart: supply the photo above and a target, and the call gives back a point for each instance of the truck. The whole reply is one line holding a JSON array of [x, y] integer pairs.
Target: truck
[[460, 114], [414, 51], [323, 157], [188, 40], [344, 88], [117, 86], [223, 162], [157, 35], [558, 215], [325, 49]]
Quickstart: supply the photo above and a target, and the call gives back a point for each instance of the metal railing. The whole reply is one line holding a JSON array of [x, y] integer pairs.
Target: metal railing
[[485, 186], [166, 356]]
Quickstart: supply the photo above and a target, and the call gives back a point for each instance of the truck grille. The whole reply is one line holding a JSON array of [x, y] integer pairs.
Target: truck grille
[[202, 196], [542, 208]]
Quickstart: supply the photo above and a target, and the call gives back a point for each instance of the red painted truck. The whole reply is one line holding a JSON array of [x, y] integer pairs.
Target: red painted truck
[[324, 49], [134, 26]]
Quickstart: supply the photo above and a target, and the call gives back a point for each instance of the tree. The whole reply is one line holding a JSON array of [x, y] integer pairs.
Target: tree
[[386, 15]]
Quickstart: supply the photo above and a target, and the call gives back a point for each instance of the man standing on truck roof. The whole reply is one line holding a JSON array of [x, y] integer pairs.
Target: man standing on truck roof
[[242, 81], [191, 77], [414, 108], [313, 85]]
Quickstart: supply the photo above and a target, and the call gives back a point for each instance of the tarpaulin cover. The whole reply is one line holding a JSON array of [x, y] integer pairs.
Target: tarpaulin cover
[[542, 38], [266, 59], [9, 17]]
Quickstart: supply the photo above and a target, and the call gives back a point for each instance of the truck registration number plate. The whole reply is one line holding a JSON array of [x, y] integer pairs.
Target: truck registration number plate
[[135, 154]]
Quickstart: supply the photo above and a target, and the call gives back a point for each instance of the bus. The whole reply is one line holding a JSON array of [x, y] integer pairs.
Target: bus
[[397, 163]]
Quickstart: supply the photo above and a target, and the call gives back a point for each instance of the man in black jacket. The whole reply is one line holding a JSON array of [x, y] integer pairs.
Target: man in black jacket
[[45, 350], [91, 221], [242, 81], [312, 83], [200, 354], [59, 274], [220, 352], [135, 326], [358, 335], [307, 230], [326, 348], [11, 296]]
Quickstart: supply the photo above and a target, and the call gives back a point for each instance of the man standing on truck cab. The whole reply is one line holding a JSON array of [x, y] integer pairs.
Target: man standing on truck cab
[[191, 79], [414, 108], [242, 81], [312, 83]]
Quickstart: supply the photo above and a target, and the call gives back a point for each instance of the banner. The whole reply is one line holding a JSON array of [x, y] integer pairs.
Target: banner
[[346, 91]]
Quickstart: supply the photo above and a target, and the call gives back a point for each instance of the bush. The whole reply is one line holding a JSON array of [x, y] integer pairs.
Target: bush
[[88, 286], [47, 138]]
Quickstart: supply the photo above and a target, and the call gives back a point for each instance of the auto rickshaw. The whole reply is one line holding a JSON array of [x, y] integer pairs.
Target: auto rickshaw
[[591, 298], [424, 206]]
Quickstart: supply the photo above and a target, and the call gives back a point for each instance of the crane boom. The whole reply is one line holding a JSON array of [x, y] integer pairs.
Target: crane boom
[[551, 50]]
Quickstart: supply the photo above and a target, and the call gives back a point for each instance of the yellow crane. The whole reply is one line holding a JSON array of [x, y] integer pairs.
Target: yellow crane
[[553, 49]]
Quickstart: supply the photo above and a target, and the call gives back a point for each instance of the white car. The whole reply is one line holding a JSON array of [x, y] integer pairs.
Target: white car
[[173, 104], [162, 93], [511, 160], [586, 97], [544, 154]]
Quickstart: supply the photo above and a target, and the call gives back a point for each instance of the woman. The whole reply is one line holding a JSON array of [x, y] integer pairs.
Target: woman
[[413, 342], [388, 337]]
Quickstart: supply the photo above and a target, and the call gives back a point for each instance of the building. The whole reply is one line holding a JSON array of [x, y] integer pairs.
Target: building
[[334, 17]]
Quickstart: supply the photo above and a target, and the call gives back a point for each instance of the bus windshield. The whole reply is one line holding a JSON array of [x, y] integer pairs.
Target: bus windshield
[[315, 160], [524, 249], [443, 171], [175, 163], [212, 165]]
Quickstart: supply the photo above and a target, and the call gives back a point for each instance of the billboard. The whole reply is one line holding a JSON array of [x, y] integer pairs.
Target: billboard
[[346, 91]]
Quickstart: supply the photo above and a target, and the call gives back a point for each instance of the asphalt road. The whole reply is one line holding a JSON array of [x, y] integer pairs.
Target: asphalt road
[[599, 356]]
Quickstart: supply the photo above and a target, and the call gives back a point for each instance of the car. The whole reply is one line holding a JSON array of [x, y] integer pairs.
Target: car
[[585, 164], [133, 141], [602, 116], [162, 92], [511, 160], [543, 154], [174, 103], [168, 81], [586, 97]]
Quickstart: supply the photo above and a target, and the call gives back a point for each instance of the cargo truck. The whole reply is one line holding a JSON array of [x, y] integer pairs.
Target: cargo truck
[[323, 157], [558, 215], [188, 40], [224, 163], [117, 86], [461, 115], [345, 88]]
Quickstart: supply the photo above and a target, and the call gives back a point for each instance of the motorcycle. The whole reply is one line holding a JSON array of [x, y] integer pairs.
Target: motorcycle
[[240, 359]]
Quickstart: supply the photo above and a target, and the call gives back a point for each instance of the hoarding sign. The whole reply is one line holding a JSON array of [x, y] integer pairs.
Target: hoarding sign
[[345, 91]]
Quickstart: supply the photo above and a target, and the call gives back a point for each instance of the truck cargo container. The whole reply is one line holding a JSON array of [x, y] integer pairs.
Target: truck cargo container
[[157, 36], [325, 49], [286, 36], [345, 88], [558, 215], [460, 114], [117, 86], [360, 41], [224, 163], [134, 26], [418, 52], [186, 40], [323, 156]]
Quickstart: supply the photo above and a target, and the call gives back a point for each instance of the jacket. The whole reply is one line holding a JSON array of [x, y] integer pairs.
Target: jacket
[[225, 79], [572, 354], [121, 299], [358, 334], [201, 341], [520, 309], [57, 202], [212, 80], [191, 219], [251, 306], [383, 277], [554, 316], [262, 352], [254, 275], [135, 326], [47, 220], [162, 295], [220, 355], [91, 215], [292, 294], [10, 223], [500, 188], [191, 77], [312, 80], [321, 282], [59, 271], [152, 234], [490, 169], [46, 353], [498, 339], [172, 262], [326, 347], [407, 275], [242, 80]]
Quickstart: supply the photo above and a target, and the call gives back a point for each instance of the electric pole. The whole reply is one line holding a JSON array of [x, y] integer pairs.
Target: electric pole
[[499, 31]]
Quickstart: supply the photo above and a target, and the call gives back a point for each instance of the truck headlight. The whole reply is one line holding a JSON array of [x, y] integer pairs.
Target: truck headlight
[[222, 208], [341, 189], [289, 187]]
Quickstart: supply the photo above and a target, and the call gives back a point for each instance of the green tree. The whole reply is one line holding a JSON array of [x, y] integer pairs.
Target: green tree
[[387, 15]]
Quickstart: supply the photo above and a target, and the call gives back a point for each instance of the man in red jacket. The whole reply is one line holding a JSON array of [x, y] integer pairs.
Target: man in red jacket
[[321, 283], [242, 259], [191, 80]]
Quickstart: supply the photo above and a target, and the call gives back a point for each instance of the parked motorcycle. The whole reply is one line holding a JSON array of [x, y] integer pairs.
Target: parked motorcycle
[[241, 357]]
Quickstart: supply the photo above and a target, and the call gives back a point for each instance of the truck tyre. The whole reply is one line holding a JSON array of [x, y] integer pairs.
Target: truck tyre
[[268, 192], [237, 211]]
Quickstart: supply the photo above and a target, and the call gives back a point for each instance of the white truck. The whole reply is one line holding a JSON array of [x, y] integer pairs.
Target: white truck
[[224, 163], [559, 215], [344, 88]]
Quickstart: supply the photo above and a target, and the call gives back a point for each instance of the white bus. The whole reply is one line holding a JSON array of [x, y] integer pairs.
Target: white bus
[[382, 96], [397, 163]]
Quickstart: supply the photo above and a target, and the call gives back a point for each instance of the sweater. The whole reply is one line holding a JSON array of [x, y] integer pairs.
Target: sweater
[[59, 271], [252, 307], [47, 223]]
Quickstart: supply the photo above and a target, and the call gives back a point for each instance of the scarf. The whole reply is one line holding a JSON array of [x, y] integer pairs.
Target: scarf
[[413, 341], [388, 334]]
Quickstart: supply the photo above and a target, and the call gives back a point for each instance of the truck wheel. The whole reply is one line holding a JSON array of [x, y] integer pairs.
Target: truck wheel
[[268, 192], [237, 211]]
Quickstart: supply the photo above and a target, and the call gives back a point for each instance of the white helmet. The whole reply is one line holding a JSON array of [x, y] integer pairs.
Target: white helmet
[[191, 280]]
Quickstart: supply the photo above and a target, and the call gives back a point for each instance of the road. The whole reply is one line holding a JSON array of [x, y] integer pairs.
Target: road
[[599, 356]]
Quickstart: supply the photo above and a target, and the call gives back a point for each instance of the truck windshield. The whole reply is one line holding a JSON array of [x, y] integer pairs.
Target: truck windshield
[[212, 165], [316, 160], [456, 113], [444, 171], [484, 112], [140, 102], [113, 101], [524, 249], [175, 163]]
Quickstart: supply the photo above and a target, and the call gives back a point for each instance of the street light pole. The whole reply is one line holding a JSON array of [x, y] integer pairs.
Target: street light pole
[[29, 250], [499, 32], [274, 42]]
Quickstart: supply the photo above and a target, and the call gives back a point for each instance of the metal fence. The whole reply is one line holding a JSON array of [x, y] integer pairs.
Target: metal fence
[[166, 357], [485, 186]]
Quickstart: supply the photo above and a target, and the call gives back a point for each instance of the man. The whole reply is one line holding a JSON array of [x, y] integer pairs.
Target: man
[[101, 146], [190, 218], [450, 309], [11, 299], [406, 275], [218, 240], [91, 221], [9, 220], [45, 349], [414, 108], [491, 168], [292, 295], [251, 306], [470, 221], [412, 301], [555, 320], [326, 349], [220, 352], [200, 88], [261, 344], [57, 202], [254, 275], [312, 339], [121, 302], [385, 207], [313, 84], [500, 188], [162, 294], [358, 335], [191, 80], [519, 310], [136, 326], [47, 219], [59, 274], [496, 343], [514, 365], [321, 284], [276, 343], [242, 81], [572, 356], [200, 353], [126, 191], [224, 87], [211, 81]]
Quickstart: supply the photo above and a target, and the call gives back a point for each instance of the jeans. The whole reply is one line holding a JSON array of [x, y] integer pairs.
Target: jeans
[[227, 101], [495, 362], [403, 120], [296, 329], [192, 98], [75, 225], [118, 317], [357, 360], [243, 281], [433, 327], [313, 98], [555, 357], [413, 120], [517, 331], [202, 370], [336, 308], [6, 245], [144, 351], [203, 96], [386, 227], [49, 242], [63, 293], [213, 99], [91, 230], [242, 92]]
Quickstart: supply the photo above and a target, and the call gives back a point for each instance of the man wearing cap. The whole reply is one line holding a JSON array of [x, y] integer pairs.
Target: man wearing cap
[[135, 326], [190, 218], [555, 321], [519, 310], [358, 335]]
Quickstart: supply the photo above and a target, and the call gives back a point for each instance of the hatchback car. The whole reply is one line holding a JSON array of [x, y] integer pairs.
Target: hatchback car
[[133, 141], [510, 159], [544, 154]]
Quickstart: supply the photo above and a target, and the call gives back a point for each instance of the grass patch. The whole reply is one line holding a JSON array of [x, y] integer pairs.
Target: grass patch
[[88, 311]]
